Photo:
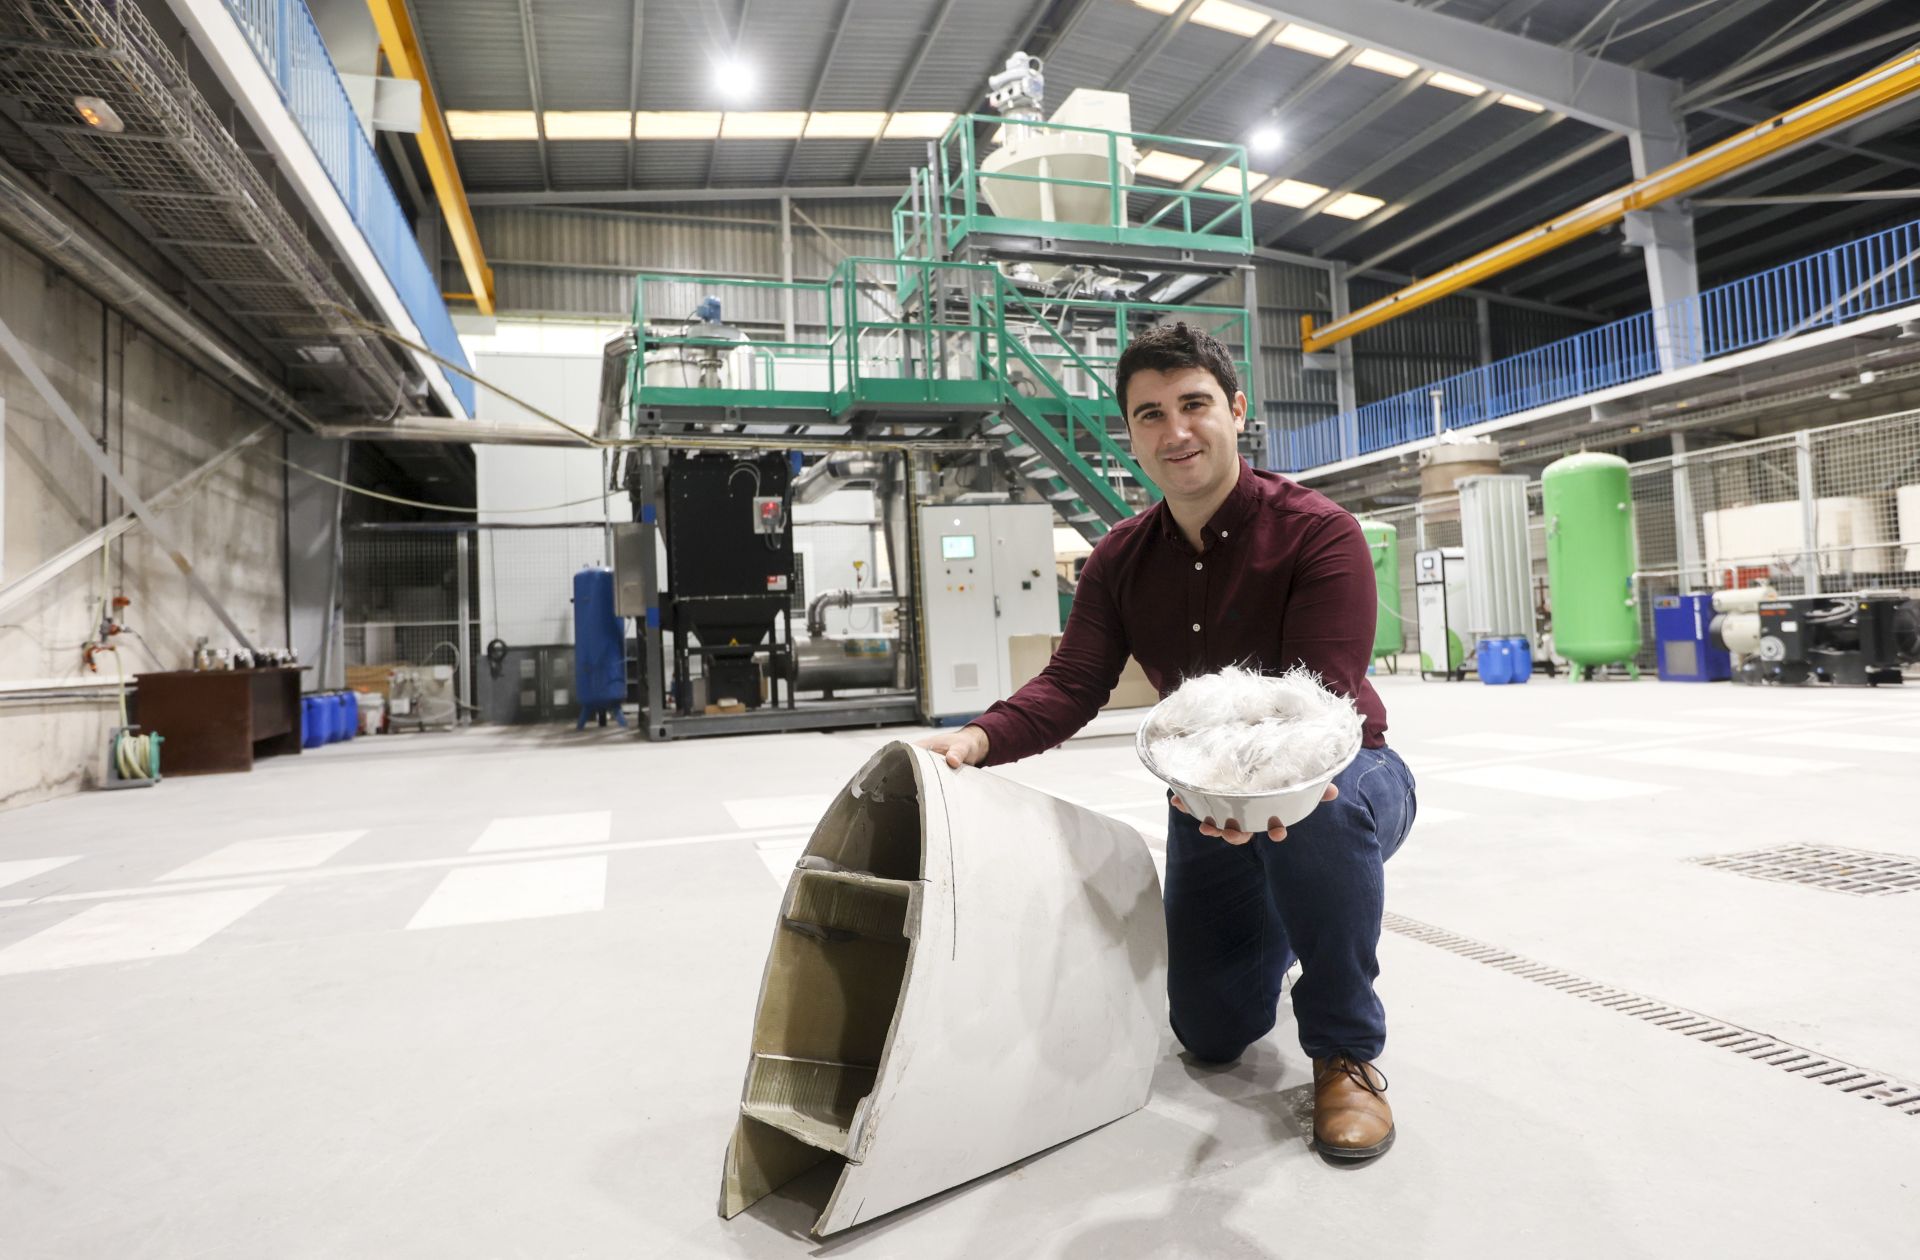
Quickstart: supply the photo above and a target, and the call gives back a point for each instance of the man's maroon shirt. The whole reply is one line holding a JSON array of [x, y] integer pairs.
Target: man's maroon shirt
[[1286, 579]]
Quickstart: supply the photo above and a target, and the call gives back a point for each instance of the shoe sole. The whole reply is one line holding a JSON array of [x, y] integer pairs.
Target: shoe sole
[[1356, 1152]]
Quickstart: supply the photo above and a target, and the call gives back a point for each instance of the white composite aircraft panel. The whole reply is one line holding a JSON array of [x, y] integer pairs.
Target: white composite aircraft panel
[[965, 972]]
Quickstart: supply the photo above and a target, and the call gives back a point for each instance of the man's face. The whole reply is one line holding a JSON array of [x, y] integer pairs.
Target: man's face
[[1185, 430]]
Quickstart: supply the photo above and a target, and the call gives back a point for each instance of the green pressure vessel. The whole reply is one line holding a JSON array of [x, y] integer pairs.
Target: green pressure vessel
[[1383, 540], [1588, 503]]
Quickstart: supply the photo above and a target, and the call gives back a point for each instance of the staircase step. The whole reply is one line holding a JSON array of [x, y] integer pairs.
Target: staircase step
[[1083, 518], [1063, 496], [999, 428]]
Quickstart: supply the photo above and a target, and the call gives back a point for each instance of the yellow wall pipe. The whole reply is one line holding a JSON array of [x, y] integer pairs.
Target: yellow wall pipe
[[1846, 104], [402, 46]]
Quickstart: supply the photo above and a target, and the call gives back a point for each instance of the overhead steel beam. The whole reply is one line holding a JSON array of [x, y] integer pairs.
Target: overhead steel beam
[[401, 45], [643, 196], [1800, 68], [529, 43], [634, 51], [1771, 53], [1243, 57], [1162, 36], [1599, 144], [904, 84], [820, 75], [1827, 198], [1602, 93], [1885, 86], [1446, 179], [108, 469]]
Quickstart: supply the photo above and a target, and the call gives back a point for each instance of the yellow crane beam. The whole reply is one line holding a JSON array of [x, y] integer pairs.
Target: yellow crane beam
[[1848, 103], [402, 46]]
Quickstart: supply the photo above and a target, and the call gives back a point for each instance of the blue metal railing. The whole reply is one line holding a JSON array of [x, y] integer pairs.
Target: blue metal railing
[[283, 36], [1859, 278]]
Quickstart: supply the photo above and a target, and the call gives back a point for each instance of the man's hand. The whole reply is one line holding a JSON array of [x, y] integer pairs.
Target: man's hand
[[1231, 833], [964, 747]]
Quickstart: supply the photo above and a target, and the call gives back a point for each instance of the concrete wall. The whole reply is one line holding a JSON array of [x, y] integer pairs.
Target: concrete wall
[[159, 419]]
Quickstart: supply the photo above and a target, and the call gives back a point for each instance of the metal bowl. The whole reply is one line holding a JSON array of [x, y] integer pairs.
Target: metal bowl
[[1245, 813]]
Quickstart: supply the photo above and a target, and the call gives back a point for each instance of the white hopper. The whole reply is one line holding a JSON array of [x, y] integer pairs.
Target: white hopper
[[965, 972], [1077, 155]]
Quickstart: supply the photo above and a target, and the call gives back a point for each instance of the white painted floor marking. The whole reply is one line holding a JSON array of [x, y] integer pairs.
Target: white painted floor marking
[[545, 831], [1850, 740], [127, 931], [779, 857], [1723, 761], [1511, 741], [778, 811], [26, 868], [515, 890], [1562, 785], [322, 873], [272, 853], [1646, 726]]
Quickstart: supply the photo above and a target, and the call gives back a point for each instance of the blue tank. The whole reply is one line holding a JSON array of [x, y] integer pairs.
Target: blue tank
[[599, 647], [350, 714], [1522, 660], [312, 730]]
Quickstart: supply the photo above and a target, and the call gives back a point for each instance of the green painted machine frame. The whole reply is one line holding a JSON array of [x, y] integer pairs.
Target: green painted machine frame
[[945, 204]]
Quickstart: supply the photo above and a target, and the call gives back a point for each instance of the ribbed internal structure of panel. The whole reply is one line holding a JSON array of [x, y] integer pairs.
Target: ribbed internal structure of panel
[[834, 982]]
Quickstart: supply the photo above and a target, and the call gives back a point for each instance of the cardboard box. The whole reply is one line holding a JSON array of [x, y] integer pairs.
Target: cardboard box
[[1028, 654]]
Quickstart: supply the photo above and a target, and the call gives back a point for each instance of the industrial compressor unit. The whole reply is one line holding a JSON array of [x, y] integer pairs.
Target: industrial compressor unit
[[1849, 640]]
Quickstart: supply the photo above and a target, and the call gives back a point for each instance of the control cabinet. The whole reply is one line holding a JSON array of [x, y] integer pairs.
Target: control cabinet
[[988, 574]]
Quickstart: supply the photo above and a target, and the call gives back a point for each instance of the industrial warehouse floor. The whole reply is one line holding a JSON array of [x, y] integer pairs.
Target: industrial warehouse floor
[[488, 995]]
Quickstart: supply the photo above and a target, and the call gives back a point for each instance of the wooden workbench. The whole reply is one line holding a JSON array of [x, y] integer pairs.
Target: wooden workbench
[[218, 721]]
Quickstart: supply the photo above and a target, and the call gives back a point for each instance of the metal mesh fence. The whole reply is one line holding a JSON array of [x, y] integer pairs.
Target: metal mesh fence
[[427, 595], [1830, 509]]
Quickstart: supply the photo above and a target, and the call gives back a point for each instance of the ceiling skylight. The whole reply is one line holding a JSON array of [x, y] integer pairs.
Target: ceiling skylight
[[845, 125], [1454, 83], [763, 125], [1295, 194], [917, 126], [1171, 168], [1307, 40], [684, 125], [1354, 206], [1521, 102], [589, 124], [492, 124], [1384, 63], [1223, 15]]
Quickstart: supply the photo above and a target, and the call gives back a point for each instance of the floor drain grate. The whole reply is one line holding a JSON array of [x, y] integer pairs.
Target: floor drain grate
[[1857, 871], [1868, 1086]]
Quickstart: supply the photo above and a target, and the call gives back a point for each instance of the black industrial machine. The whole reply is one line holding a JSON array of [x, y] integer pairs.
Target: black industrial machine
[[729, 576], [1851, 640]]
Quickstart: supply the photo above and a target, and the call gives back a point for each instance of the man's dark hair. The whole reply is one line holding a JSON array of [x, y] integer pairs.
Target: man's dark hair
[[1170, 347]]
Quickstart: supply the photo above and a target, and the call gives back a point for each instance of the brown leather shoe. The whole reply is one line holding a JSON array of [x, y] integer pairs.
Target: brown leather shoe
[[1351, 1119]]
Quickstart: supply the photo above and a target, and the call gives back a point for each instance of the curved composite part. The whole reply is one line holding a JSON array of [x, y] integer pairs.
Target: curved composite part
[[965, 971]]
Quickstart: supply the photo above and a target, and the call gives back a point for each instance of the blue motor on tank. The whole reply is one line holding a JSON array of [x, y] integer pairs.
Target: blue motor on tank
[[599, 647]]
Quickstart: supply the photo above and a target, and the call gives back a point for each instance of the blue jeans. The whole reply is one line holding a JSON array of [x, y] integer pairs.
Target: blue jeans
[[1237, 915]]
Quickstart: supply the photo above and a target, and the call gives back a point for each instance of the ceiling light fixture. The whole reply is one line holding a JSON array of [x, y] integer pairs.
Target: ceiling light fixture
[[98, 114], [1522, 103], [1266, 139], [733, 77]]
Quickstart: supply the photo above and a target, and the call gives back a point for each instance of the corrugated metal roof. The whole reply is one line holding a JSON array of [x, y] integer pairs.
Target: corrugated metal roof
[[478, 59]]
